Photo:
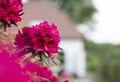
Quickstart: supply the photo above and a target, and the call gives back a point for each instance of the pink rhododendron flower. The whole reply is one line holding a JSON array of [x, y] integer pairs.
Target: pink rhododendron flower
[[66, 81], [43, 37], [10, 11], [10, 71], [23, 41], [41, 73], [65, 74]]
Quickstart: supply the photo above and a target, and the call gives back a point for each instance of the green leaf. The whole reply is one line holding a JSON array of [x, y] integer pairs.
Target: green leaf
[[56, 61], [46, 59]]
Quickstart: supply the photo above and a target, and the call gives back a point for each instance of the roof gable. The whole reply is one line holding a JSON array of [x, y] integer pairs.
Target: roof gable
[[46, 10]]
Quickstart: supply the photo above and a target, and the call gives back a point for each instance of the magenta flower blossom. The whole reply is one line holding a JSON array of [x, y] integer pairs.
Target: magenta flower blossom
[[65, 74], [23, 40], [66, 81], [10, 71], [41, 73], [43, 37], [10, 11]]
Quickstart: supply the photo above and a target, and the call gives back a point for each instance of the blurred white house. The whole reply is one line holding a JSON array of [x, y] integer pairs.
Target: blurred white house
[[71, 42]]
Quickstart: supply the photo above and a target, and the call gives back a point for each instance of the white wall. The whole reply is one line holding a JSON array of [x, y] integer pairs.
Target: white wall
[[75, 58]]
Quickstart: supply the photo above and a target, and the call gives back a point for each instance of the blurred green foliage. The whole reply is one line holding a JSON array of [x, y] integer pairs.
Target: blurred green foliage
[[81, 11], [105, 59], [111, 69]]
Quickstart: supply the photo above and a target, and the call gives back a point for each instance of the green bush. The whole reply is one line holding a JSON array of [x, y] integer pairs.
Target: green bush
[[111, 70], [104, 59]]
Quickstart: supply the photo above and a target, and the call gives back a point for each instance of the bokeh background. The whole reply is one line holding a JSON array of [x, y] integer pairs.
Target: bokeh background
[[90, 36]]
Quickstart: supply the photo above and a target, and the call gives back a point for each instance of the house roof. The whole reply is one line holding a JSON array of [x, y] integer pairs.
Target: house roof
[[46, 10]]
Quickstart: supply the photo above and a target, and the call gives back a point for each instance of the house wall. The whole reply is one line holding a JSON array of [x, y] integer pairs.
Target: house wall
[[75, 58]]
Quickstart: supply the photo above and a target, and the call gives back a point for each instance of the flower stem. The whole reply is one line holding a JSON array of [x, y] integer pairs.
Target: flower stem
[[4, 27], [20, 29]]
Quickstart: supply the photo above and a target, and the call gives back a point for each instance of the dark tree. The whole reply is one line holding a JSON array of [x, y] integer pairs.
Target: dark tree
[[81, 11]]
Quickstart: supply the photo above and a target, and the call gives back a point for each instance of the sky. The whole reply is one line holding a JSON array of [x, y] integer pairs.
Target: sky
[[107, 27]]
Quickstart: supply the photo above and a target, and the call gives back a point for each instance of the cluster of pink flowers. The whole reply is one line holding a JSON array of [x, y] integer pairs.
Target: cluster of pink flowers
[[9, 70], [12, 71], [10, 11], [41, 73], [42, 37]]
